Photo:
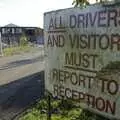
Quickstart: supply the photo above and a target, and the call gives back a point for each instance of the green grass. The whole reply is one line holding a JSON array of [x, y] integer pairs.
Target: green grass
[[34, 114], [16, 50]]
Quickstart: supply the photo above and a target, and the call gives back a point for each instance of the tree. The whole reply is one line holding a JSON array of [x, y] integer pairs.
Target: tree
[[85, 2], [80, 2]]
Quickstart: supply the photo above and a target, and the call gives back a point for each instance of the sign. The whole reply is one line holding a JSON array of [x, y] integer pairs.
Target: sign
[[83, 57]]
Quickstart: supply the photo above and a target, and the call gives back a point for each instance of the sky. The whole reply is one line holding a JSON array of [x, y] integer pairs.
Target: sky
[[29, 12]]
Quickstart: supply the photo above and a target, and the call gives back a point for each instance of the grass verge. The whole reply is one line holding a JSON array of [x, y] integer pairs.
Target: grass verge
[[16, 50]]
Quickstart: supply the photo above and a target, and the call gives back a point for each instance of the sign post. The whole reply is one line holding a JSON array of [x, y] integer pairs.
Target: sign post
[[1, 49], [83, 57], [49, 107]]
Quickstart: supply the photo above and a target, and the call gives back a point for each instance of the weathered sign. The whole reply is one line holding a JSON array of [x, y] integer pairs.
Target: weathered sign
[[83, 57]]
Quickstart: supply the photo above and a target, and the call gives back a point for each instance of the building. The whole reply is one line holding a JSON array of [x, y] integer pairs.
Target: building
[[11, 34]]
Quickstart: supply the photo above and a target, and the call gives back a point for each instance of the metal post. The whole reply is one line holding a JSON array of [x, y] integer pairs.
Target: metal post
[[1, 49], [49, 108]]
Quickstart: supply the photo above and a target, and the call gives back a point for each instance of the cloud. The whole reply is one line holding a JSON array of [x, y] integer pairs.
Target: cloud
[[28, 12]]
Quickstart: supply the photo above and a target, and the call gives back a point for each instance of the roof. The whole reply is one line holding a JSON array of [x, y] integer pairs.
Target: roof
[[11, 25], [16, 26]]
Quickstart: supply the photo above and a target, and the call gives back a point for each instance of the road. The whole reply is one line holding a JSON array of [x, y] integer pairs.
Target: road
[[21, 82]]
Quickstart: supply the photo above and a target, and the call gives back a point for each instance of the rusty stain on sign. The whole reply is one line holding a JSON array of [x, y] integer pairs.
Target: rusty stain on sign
[[83, 57]]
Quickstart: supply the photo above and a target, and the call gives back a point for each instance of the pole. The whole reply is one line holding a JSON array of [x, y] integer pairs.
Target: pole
[[1, 49], [49, 108]]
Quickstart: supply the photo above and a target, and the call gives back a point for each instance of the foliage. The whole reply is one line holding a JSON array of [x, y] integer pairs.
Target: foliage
[[80, 2], [77, 3], [61, 110], [16, 50], [23, 40], [34, 114]]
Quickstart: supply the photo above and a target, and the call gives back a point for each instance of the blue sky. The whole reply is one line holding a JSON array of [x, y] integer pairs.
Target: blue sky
[[28, 12]]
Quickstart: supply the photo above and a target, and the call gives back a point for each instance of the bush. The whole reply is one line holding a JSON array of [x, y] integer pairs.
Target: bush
[[23, 40], [66, 110], [16, 50]]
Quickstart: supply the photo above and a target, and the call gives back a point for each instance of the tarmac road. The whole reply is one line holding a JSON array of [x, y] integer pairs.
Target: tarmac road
[[21, 82]]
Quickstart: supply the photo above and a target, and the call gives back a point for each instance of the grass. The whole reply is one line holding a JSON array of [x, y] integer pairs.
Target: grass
[[16, 50]]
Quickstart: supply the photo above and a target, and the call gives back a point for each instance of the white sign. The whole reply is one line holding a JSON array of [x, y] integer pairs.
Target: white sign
[[83, 57]]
